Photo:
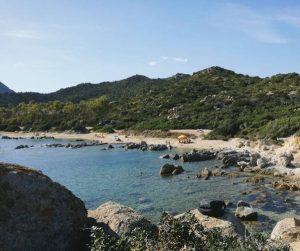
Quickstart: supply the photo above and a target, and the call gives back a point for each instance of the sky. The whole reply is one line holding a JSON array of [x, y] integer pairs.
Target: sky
[[51, 44]]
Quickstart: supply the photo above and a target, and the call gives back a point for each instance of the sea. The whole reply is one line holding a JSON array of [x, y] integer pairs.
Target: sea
[[97, 175]]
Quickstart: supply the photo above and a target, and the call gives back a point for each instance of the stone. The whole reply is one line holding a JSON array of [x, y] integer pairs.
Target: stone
[[168, 169], [175, 156], [285, 159], [226, 227], [205, 174], [213, 208], [121, 219], [37, 213], [198, 156], [165, 156], [287, 229], [262, 163], [253, 159], [246, 212]]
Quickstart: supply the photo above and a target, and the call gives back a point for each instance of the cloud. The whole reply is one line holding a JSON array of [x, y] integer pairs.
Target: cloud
[[260, 27], [152, 63], [20, 30], [180, 60], [164, 58], [290, 19]]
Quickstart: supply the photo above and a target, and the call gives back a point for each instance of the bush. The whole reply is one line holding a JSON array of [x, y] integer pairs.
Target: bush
[[182, 234]]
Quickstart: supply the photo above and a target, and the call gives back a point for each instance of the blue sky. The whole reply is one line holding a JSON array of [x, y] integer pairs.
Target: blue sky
[[50, 44]]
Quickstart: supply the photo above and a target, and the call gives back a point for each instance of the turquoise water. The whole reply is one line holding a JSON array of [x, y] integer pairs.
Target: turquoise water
[[132, 178]]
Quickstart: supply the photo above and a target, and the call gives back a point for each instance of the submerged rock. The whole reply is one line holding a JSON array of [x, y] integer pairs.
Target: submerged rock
[[121, 219], [37, 213]]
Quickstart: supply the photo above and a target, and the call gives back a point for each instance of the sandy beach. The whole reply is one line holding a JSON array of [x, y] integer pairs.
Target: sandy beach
[[196, 143]]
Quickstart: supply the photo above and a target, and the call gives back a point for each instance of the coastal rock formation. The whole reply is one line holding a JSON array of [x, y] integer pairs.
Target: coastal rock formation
[[157, 147], [198, 156], [121, 219], [244, 211], [207, 222], [168, 169], [37, 213], [231, 158], [284, 159], [287, 229]]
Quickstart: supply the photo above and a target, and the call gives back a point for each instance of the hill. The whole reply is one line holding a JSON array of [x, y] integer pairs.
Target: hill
[[4, 88], [215, 98]]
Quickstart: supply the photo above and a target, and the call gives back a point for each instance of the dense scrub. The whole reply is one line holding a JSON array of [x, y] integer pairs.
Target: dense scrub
[[182, 234], [231, 104]]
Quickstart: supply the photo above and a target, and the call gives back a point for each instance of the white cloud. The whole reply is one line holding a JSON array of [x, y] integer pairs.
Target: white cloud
[[152, 63], [180, 60], [164, 58], [22, 34]]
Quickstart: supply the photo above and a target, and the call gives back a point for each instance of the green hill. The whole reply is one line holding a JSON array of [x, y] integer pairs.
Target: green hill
[[4, 88], [215, 98]]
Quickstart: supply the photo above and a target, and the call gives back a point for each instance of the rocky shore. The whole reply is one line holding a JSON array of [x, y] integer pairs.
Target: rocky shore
[[34, 210]]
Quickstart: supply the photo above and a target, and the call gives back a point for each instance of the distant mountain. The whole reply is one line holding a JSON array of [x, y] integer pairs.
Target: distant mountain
[[5, 89], [231, 104]]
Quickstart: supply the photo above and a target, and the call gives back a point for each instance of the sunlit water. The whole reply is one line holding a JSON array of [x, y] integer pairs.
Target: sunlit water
[[132, 178]]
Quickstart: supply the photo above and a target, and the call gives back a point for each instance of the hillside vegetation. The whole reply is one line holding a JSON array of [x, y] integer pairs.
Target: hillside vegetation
[[215, 98]]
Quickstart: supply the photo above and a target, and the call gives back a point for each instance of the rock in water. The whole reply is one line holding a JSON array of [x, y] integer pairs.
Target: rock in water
[[287, 229], [244, 211], [205, 174], [121, 219], [37, 213], [213, 208], [168, 169]]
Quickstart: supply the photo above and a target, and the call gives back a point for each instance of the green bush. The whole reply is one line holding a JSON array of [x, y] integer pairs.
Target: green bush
[[186, 234]]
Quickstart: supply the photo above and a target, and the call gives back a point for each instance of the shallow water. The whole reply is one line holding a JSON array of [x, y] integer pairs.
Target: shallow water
[[132, 178]]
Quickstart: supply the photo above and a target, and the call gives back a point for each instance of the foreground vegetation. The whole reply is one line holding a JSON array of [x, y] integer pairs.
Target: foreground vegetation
[[231, 104], [182, 234]]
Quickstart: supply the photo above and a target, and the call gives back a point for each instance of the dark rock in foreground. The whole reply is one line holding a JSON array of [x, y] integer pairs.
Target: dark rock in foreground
[[37, 213]]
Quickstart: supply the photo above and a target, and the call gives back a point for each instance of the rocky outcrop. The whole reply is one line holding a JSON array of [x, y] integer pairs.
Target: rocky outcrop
[[207, 222], [158, 147], [198, 156], [287, 229], [231, 158], [244, 211], [169, 169], [121, 219], [37, 213], [287, 184], [284, 159]]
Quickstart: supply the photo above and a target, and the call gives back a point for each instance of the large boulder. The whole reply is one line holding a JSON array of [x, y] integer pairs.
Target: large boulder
[[287, 229], [37, 213], [169, 169], [207, 222], [121, 219], [157, 147]]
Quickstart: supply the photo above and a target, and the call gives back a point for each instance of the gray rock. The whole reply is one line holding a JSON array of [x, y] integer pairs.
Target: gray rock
[[213, 208], [121, 219], [198, 156], [37, 213], [287, 229], [262, 163], [246, 213], [168, 169], [205, 174], [285, 159], [165, 156]]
